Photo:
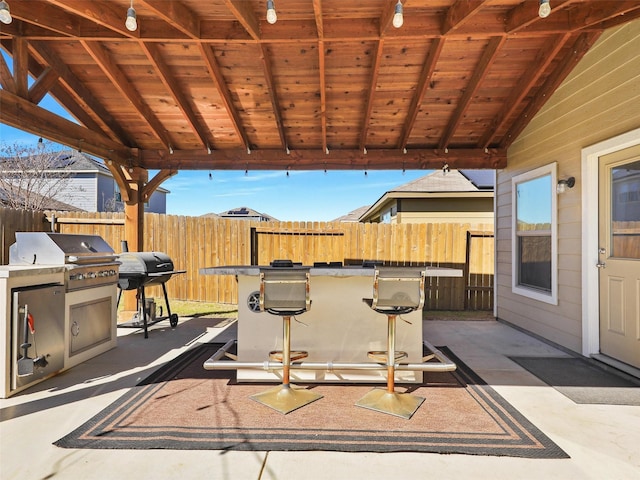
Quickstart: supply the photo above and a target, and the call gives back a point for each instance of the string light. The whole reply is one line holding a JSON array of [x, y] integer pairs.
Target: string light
[[545, 9], [272, 17], [398, 18], [5, 13], [131, 22]]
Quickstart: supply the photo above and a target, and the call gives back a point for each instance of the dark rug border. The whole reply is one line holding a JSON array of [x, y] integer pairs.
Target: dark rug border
[[180, 440]]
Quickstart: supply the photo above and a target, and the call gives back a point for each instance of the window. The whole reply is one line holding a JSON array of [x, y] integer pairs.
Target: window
[[534, 234]]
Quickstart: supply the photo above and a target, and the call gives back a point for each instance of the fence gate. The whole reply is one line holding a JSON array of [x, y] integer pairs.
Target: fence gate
[[478, 271]]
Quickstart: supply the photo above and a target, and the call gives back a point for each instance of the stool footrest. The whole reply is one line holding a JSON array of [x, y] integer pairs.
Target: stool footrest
[[383, 355], [276, 355]]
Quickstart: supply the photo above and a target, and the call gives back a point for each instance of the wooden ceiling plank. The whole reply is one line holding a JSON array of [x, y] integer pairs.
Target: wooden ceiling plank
[[218, 79], [528, 80], [78, 90], [164, 73], [21, 66], [241, 9], [20, 113], [177, 15], [237, 159], [45, 81], [121, 83], [428, 68], [480, 72], [318, 16], [459, 13], [553, 81]]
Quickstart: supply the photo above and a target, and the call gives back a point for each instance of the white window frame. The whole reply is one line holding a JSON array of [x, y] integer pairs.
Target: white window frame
[[547, 297]]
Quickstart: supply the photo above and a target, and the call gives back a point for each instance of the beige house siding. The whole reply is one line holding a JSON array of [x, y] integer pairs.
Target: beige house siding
[[599, 100], [474, 211]]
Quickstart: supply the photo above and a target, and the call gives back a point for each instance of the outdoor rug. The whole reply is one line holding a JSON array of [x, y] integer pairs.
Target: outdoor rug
[[581, 381], [184, 406]]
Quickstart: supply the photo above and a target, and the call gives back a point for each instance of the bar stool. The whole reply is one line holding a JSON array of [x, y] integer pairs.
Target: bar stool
[[396, 291], [284, 291]]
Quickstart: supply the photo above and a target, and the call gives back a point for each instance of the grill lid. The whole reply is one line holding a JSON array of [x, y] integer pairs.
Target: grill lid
[[145, 263], [45, 248]]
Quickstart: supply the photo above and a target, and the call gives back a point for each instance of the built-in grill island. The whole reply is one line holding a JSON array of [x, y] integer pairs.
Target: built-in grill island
[[59, 292], [139, 270]]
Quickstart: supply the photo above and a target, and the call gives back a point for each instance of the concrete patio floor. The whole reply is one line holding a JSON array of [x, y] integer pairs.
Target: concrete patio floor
[[602, 440]]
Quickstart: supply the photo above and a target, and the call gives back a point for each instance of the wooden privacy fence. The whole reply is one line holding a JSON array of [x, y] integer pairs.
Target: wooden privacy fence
[[197, 242]]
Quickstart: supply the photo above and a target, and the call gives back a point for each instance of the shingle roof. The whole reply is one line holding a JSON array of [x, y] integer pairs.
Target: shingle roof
[[452, 181]]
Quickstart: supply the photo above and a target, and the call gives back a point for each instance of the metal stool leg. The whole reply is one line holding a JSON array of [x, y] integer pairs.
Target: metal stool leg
[[389, 401], [286, 398]]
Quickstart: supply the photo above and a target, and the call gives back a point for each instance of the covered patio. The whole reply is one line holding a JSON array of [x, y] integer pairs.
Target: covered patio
[[600, 440]]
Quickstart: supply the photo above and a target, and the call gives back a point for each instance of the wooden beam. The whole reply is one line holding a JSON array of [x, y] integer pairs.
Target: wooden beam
[[241, 9], [155, 182], [176, 14], [459, 13], [45, 81], [479, 73], [577, 51], [318, 160], [21, 66], [121, 83], [20, 113], [428, 68], [177, 92], [6, 77], [109, 15]]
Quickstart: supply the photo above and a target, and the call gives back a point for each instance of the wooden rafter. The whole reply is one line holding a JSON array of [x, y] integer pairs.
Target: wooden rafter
[[459, 13], [84, 99], [577, 51], [527, 83], [121, 83], [479, 73], [168, 79], [218, 79], [423, 84], [20, 113]]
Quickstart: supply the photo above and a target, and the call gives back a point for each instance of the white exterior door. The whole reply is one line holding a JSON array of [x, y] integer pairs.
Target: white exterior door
[[619, 255]]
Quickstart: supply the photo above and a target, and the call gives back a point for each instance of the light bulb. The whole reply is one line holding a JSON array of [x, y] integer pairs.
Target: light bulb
[[5, 14], [271, 12], [398, 19], [545, 9], [131, 22]]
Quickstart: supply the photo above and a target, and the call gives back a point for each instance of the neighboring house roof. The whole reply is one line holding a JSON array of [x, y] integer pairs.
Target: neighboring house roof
[[245, 213], [353, 215], [438, 184]]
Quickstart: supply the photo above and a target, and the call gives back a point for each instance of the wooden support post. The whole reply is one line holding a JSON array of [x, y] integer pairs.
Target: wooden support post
[[134, 225]]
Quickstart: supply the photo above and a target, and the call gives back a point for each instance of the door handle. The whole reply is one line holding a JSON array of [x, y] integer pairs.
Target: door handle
[[601, 265]]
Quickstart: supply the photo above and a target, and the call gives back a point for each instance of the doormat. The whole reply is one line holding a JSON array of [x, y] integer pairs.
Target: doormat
[[581, 381], [184, 406]]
